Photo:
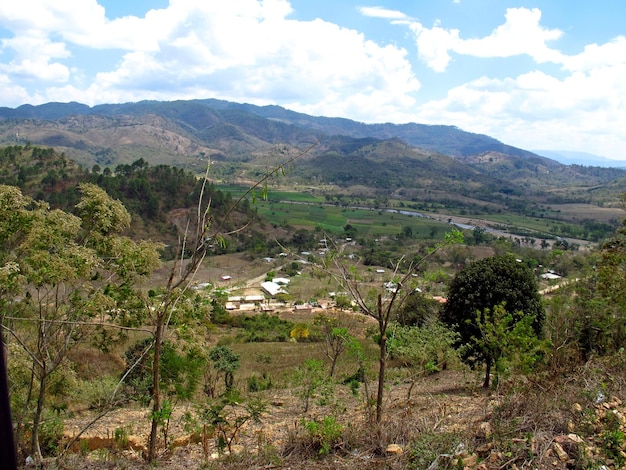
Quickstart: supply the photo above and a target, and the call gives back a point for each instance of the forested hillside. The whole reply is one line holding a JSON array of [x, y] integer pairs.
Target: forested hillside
[[154, 195]]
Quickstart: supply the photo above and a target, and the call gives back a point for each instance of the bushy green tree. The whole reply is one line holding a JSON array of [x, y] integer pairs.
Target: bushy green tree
[[224, 363], [483, 285], [63, 277], [425, 349]]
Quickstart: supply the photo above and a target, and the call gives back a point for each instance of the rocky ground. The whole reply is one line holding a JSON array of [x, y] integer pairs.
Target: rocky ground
[[447, 422]]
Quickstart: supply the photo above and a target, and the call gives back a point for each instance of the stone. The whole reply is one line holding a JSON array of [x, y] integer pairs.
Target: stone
[[469, 460], [484, 430], [560, 453], [394, 449], [575, 438], [577, 408]]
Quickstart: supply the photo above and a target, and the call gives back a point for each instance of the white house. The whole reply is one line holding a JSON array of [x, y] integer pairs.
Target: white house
[[272, 289]]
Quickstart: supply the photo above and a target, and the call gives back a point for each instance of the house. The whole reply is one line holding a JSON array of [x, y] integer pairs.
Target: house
[[550, 275], [225, 277], [304, 308], [281, 281], [272, 289]]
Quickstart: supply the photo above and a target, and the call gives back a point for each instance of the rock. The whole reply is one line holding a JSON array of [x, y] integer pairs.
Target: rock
[[469, 460], [577, 408], [394, 449], [484, 430], [575, 438], [484, 450], [560, 453]]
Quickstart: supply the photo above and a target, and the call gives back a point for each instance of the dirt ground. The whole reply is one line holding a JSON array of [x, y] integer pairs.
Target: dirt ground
[[448, 401]]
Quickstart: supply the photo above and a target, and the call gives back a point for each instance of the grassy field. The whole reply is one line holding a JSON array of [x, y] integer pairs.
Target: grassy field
[[311, 208]]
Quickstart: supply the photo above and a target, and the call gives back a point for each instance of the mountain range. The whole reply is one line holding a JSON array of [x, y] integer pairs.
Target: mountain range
[[414, 161]]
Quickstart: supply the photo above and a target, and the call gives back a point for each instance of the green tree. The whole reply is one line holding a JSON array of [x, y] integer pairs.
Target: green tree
[[62, 277], [335, 338], [506, 341], [425, 349], [485, 284], [225, 362], [308, 380]]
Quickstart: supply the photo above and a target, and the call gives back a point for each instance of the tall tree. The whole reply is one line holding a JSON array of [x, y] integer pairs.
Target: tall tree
[[61, 277], [381, 304], [483, 285], [204, 231]]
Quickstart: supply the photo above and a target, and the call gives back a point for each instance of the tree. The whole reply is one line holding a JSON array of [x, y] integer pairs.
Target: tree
[[204, 231], [225, 362], [63, 276], [485, 284], [507, 343], [335, 338], [381, 304]]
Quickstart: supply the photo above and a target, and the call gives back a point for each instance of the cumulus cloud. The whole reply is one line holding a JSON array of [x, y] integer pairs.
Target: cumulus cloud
[[521, 34], [244, 50], [255, 51]]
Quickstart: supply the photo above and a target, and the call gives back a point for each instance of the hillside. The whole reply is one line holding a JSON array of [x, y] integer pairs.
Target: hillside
[[414, 162]]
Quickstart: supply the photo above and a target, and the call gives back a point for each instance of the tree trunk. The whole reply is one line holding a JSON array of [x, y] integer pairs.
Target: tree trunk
[[382, 363], [156, 378], [487, 372], [333, 363], [8, 453], [35, 449]]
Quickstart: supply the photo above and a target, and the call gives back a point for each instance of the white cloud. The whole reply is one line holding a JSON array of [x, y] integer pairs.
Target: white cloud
[[313, 65], [583, 111], [380, 12], [595, 56], [252, 51], [433, 45], [520, 34]]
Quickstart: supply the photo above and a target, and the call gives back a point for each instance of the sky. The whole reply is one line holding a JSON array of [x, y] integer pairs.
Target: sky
[[543, 74]]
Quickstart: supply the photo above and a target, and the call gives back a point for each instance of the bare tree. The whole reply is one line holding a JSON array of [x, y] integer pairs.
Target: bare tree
[[380, 303], [202, 231]]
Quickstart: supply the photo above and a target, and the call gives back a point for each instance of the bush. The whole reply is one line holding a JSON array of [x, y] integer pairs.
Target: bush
[[324, 435], [429, 446], [259, 383]]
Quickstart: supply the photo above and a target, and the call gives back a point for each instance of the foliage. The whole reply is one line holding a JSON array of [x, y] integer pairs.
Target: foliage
[[428, 446], [425, 349], [300, 332], [485, 284], [506, 341], [612, 265], [224, 362], [308, 380], [227, 416], [181, 370], [64, 277], [324, 435], [335, 338], [257, 328], [417, 310]]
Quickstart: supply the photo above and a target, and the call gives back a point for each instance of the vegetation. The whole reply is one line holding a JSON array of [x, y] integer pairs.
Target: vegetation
[[94, 327], [486, 301]]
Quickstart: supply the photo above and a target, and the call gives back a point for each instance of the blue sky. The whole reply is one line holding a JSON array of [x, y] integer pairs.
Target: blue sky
[[535, 74]]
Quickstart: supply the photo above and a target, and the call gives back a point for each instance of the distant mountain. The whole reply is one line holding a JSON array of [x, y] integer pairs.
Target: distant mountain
[[210, 119], [416, 162], [567, 157]]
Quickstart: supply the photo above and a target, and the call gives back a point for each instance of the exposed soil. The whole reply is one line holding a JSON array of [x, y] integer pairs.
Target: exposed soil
[[445, 402]]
